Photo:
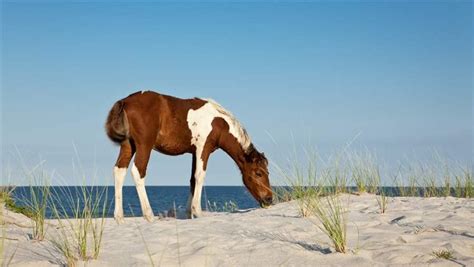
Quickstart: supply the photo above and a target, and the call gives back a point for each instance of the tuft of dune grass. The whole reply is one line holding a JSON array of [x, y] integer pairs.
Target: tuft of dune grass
[[382, 201], [443, 254], [79, 237], [332, 216], [364, 171]]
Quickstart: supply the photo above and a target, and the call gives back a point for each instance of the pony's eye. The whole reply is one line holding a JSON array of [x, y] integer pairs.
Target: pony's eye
[[259, 174]]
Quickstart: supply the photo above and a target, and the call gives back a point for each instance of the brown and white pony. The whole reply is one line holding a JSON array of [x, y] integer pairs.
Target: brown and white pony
[[147, 120]]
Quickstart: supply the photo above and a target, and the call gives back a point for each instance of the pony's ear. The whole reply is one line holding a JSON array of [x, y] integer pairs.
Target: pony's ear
[[265, 159], [253, 156]]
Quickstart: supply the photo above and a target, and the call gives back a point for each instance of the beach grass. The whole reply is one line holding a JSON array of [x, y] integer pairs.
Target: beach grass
[[336, 174], [79, 236], [447, 186], [412, 187], [443, 254], [364, 171], [35, 203], [468, 183], [316, 185], [228, 206], [437, 177], [39, 203], [332, 216], [80, 217], [302, 183], [10, 204], [382, 200]]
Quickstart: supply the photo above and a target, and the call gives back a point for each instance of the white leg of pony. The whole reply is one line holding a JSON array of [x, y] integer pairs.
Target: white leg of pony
[[199, 176], [144, 203], [119, 174]]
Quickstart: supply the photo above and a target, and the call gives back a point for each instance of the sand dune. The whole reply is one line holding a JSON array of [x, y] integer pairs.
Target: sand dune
[[407, 234]]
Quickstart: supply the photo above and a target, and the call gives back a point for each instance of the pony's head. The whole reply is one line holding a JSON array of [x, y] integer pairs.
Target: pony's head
[[255, 176]]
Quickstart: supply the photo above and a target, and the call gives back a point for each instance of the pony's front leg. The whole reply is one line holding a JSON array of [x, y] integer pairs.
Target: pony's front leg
[[199, 171], [192, 185], [139, 173], [194, 205]]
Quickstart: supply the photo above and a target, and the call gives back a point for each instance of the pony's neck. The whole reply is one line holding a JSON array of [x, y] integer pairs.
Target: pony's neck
[[234, 149]]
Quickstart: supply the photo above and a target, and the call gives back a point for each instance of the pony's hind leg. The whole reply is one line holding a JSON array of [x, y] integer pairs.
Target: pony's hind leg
[[139, 172], [120, 171]]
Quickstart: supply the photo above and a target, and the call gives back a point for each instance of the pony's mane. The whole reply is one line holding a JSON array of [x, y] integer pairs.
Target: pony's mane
[[236, 128]]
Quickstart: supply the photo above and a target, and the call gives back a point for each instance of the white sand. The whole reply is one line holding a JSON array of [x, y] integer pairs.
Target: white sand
[[407, 234]]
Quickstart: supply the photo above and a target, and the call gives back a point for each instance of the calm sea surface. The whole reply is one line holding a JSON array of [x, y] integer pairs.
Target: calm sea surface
[[67, 199], [162, 198]]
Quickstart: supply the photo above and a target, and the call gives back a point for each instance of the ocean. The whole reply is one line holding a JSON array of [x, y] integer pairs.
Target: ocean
[[162, 198], [64, 201]]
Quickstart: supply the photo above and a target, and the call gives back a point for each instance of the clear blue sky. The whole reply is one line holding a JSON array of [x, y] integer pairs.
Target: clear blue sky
[[400, 74]]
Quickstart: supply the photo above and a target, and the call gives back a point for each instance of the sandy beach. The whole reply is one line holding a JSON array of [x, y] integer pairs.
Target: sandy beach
[[407, 234]]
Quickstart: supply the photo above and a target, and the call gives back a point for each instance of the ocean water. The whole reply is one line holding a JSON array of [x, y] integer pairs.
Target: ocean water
[[162, 198], [66, 199]]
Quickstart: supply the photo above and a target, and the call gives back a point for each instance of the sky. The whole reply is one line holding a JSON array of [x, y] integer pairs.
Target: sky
[[394, 77]]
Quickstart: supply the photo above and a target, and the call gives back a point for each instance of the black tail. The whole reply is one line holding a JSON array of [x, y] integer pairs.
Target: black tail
[[116, 125]]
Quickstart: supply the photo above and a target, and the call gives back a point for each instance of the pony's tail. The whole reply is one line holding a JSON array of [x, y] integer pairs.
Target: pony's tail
[[117, 126]]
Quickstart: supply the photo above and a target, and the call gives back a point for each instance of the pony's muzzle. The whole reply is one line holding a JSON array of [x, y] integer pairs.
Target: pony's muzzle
[[266, 202]]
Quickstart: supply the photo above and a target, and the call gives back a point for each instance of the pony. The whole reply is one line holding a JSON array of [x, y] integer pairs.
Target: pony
[[146, 121]]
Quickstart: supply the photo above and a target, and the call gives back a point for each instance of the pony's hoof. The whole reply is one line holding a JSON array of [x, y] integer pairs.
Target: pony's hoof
[[119, 219], [149, 217], [189, 215], [195, 215], [193, 212]]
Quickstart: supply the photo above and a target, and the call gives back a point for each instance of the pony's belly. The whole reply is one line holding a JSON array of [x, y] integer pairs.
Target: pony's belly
[[173, 144], [171, 149]]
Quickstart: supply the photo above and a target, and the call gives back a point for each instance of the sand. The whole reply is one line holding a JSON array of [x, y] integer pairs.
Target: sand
[[407, 234]]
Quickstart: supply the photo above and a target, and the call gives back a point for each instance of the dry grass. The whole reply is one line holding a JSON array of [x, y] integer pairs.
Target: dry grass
[[443, 254]]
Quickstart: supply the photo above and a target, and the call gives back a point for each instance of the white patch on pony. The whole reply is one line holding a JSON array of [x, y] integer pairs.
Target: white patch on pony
[[200, 124], [144, 203], [119, 174]]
